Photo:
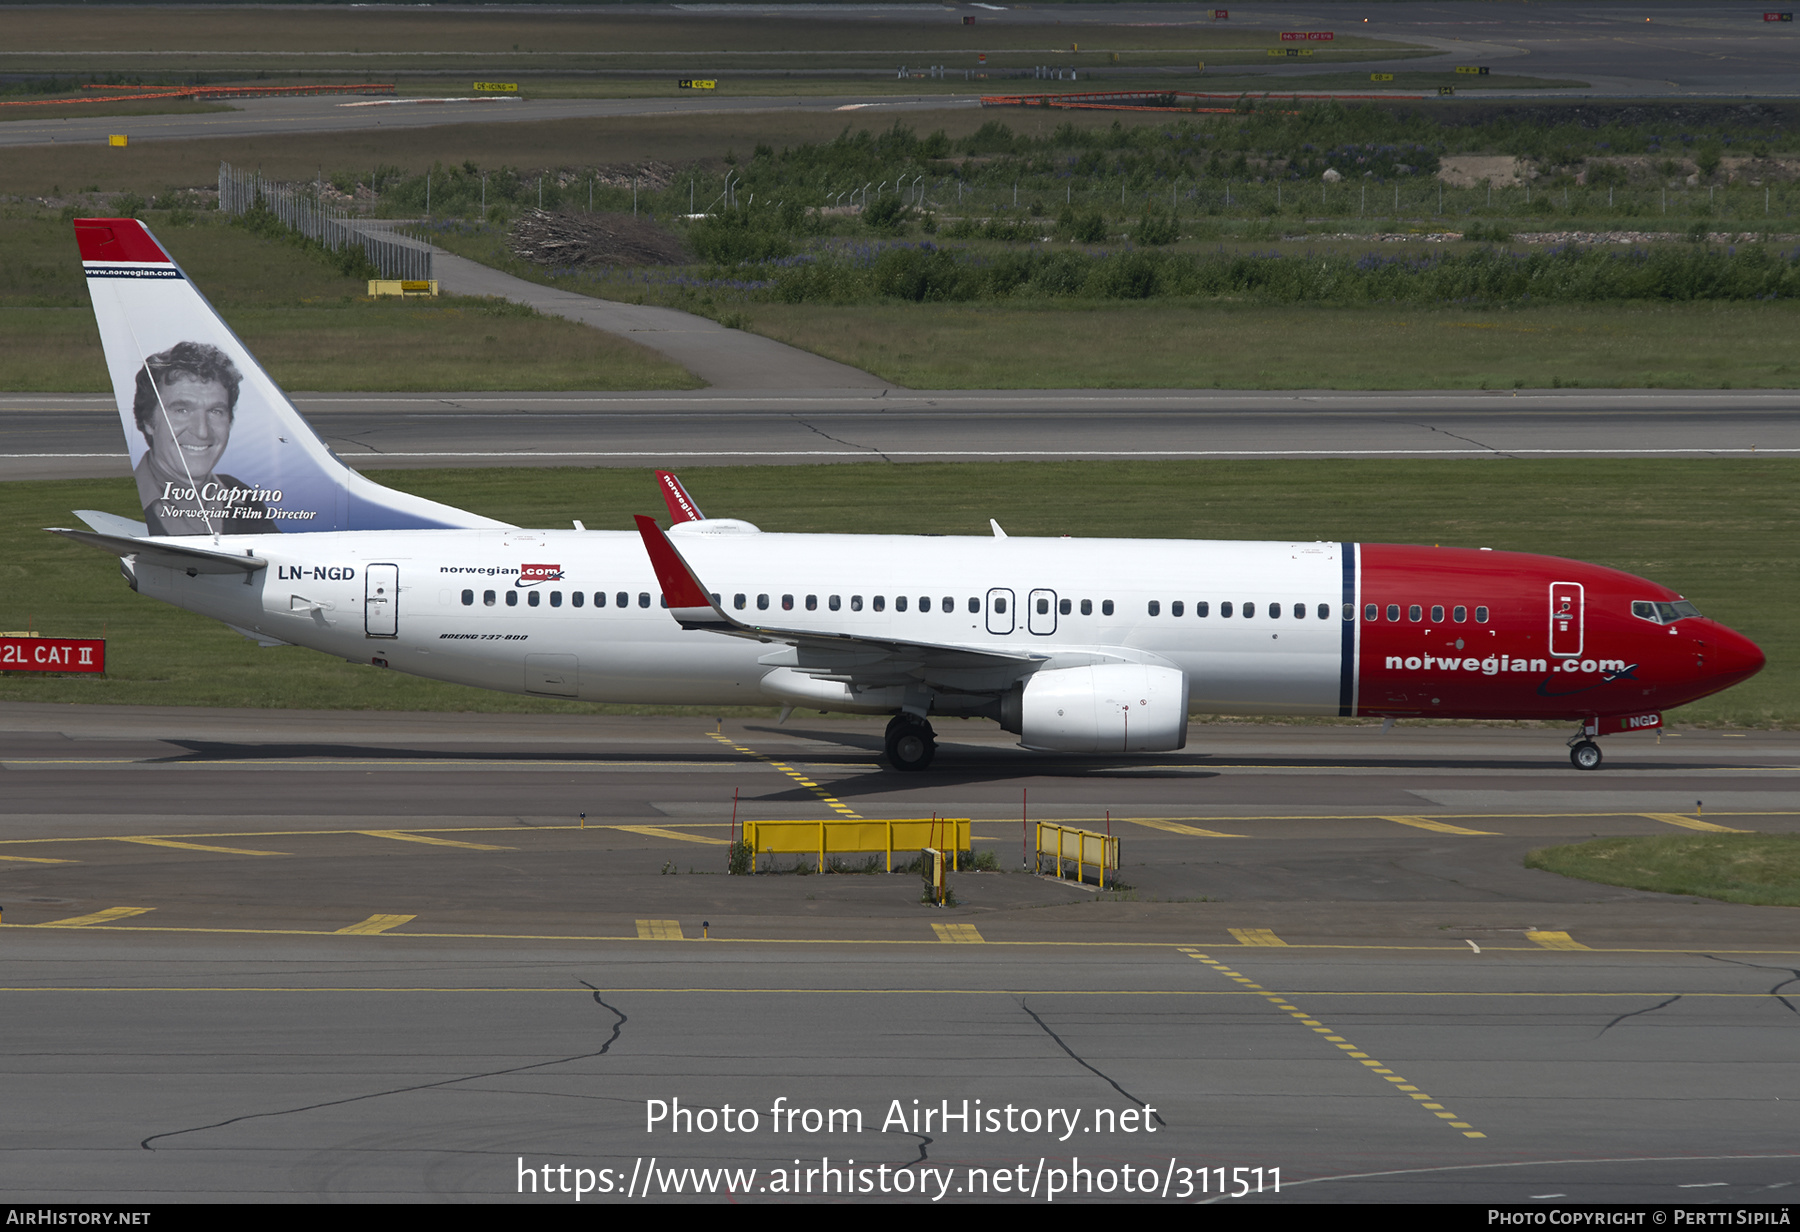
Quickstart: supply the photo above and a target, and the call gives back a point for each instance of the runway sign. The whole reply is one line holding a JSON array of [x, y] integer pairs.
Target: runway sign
[[497, 87], [689, 83], [52, 654]]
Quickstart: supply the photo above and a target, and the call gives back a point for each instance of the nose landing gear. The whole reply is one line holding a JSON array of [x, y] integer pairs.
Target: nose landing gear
[[911, 744], [1584, 754]]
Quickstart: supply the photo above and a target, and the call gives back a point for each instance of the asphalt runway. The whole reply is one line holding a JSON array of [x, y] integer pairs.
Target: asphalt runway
[[329, 956], [63, 436]]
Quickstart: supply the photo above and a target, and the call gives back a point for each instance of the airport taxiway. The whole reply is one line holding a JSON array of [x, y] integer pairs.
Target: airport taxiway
[[375, 956]]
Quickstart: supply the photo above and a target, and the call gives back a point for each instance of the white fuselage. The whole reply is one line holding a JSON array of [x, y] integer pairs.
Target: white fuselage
[[1074, 601]]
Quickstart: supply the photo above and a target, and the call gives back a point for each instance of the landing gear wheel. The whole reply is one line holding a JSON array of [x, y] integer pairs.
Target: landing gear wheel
[[1585, 755], [911, 744]]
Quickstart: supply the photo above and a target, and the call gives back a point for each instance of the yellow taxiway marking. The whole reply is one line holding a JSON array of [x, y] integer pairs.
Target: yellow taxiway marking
[[1255, 936], [1176, 827], [37, 860], [960, 933], [1440, 827], [1555, 941], [659, 930], [404, 837], [1285, 1004], [376, 924], [660, 832], [98, 917], [1691, 823], [831, 801], [228, 851]]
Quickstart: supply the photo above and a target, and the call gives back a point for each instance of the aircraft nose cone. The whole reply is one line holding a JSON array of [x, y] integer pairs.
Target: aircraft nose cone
[[1735, 656]]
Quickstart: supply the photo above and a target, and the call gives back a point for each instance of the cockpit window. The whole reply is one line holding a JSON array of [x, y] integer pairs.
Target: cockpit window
[[1664, 613]]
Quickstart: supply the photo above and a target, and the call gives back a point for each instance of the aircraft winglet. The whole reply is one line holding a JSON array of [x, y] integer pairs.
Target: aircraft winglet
[[688, 601], [681, 506]]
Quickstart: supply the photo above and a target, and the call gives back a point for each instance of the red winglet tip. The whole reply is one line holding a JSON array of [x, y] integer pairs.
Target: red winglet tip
[[681, 506]]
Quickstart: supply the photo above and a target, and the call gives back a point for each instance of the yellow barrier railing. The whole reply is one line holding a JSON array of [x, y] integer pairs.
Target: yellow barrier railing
[[837, 836], [1084, 847]]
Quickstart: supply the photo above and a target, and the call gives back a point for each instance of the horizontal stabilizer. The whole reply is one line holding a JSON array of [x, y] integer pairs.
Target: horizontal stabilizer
[[166, 552]]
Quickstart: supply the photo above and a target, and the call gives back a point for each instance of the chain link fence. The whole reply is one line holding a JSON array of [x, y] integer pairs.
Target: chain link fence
[[297, 206]]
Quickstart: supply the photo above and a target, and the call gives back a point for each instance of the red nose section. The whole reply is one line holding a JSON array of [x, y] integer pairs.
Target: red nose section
[[1734, 657]]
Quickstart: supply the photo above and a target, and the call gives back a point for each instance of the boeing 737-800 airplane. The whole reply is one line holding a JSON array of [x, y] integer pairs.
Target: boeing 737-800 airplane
[[1079, 645]]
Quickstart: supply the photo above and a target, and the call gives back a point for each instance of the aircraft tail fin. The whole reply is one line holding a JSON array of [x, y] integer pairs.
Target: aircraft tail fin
[[215, 445]]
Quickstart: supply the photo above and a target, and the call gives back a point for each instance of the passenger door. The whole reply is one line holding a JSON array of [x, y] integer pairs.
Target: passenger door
[[1565, 619], [381, 601]]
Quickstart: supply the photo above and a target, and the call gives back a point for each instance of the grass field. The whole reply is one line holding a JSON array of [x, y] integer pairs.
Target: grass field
[[1664, 520], [1238, 346], [1737, 868], [310, 325]]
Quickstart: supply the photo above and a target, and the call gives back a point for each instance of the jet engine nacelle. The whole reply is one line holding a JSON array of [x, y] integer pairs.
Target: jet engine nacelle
[[1109, 708]]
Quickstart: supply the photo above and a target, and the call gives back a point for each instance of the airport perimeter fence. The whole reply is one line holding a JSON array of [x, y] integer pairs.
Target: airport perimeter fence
[[297, 207]]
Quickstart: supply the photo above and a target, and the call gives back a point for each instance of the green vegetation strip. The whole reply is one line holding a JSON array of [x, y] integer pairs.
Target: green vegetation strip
[[1718, 531], [1737, 868]]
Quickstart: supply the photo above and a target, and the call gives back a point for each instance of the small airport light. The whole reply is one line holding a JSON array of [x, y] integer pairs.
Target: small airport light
[[705, 929], [583, 821]]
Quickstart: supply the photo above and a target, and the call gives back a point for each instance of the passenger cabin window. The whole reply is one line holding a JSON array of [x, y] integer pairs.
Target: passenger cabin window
[[787, 603], [1203, 608], [1087, 607], [487, 598], [949, 604], [974, 605], [468, 598], [1371, 612], [1064, 606], [738, 601], [1225, 609], [578, 598], [1274, 611], [1043, 607], [1393, 612], [879, 603], [1437, 613], [556, 598], [512, 598], [856, 603], [1349, 612], [1177, 608], [834, 603], [1000, 606], [762, 603], [533, 598], [1155, 608], [624, 600], [1459, 613], [1249, 610], [812, 603], [1106, 607], [1481, 615], [644, 599], [899, 603], [1299, 611], [1415, 612]]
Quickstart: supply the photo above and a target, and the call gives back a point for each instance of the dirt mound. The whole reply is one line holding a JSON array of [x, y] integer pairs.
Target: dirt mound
[[563, 240]]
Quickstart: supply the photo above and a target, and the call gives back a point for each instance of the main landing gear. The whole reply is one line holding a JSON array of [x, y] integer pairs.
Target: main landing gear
[[911, 744], [1584, 753]]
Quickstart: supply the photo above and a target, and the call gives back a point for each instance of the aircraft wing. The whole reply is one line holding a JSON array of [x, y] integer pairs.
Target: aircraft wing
[[830, 655], [168, 552]]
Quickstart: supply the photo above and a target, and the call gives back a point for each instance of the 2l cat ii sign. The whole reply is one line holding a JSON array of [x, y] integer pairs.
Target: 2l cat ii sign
[[52, 654]]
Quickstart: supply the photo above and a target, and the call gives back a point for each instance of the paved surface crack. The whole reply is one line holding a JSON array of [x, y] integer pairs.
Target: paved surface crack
[[1457, 436], [618, 1026], [1084, 1065], [1793, 974], [838, 440], [1634, 1013]]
